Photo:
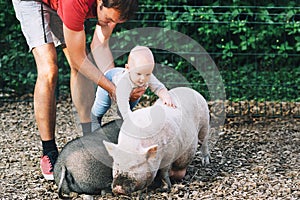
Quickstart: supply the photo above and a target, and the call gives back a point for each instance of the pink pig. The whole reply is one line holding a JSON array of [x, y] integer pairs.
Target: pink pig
[[160, 138]]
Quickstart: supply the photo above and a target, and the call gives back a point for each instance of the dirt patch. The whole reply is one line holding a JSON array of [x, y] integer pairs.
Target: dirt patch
[[257, 160]]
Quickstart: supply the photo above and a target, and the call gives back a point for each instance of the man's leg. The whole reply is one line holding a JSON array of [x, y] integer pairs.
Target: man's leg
[[83, 95], [34, 20], [45, 104]]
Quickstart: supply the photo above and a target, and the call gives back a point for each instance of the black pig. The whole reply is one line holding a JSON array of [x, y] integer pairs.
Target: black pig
[[83, 166]]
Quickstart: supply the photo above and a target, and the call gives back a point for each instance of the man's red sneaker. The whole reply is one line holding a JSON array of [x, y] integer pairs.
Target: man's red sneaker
[[47, 164]]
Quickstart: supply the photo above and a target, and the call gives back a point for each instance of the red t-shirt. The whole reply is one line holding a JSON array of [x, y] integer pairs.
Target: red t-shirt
[[73, 13]]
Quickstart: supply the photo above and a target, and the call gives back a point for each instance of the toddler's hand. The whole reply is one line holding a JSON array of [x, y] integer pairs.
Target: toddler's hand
[[167, 100]]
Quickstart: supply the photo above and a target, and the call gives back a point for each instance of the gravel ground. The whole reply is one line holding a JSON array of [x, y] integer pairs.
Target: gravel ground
[[250, 160]]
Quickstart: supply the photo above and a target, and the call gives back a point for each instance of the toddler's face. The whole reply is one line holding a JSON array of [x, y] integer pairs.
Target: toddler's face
[[140, 75]]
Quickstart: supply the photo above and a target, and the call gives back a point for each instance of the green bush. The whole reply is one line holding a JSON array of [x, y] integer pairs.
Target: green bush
[[16, 72], [17, 66], [255, 46]]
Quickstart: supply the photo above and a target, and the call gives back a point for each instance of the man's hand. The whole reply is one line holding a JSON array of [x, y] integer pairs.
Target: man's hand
[[112, 95], [137, 93], [108, 86]]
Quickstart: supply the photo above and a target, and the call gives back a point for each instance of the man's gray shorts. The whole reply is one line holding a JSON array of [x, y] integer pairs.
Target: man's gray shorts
[[38, 29]]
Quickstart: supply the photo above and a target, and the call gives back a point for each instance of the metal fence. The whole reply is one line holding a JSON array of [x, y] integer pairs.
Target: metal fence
[[260, 68], [240, 55], [256, 49]]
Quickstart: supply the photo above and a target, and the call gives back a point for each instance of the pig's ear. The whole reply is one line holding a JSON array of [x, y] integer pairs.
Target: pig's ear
[[110, 147], [151, 152]]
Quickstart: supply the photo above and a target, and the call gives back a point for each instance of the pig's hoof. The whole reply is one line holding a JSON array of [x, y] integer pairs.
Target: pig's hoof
[[163, 189], [87, 197], [103, 192], [166, 186], [206, 160]]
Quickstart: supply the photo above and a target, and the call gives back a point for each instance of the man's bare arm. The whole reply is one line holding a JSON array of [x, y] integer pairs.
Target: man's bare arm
[[100, 49], [75, 42]]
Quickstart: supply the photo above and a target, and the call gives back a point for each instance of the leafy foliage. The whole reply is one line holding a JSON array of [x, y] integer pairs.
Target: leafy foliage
[[17, 66], [254, 44]]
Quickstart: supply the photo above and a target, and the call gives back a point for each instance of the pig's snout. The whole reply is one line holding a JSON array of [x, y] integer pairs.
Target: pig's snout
[[118, 190], [123, 184]]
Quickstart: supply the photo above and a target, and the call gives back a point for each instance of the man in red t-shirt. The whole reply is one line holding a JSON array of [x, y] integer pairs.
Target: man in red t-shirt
[[44, 29]]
